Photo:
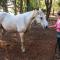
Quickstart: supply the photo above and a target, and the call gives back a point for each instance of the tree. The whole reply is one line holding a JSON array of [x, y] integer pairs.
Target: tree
[[15, 7], [21, 5], [59, 3], [16, 4], [48, 7], [28, 5]]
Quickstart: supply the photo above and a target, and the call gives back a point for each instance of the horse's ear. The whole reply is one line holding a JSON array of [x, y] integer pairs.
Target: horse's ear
[[36, 8], [39, 9], [34, 12]]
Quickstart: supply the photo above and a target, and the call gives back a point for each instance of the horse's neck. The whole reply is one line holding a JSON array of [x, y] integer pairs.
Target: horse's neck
[[28, 18], [28, 14]]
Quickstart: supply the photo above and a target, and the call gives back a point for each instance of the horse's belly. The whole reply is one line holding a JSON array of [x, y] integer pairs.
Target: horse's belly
[[21, 27], [9, 27]]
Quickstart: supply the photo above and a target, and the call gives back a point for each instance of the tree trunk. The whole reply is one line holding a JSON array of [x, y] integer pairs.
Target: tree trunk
[[48, 7], [28, 5], [5, 6], [15, 10], [53, 11], [21, 6]]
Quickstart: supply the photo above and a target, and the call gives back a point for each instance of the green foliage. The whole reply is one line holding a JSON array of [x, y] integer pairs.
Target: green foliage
[[34, 4], [38, 3], [55, 5], [59, 3]]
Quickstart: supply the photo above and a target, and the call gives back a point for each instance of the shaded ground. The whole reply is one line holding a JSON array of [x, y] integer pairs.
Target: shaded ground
[[40, 45]]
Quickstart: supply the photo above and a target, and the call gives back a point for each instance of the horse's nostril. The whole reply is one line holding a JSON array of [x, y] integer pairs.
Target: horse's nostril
[[46, 27], [41, 18]]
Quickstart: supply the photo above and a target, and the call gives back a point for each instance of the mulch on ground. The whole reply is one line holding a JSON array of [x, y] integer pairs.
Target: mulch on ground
[[39, 43]]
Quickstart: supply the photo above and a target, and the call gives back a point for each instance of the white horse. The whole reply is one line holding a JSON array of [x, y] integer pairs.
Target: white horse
[[21, 22]]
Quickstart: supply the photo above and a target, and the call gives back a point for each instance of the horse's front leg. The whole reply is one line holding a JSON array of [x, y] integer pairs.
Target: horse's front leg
[[22, 41]]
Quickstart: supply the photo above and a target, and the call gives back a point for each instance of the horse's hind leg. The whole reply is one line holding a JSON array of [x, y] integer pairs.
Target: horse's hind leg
[[22, 41], [3, 30]]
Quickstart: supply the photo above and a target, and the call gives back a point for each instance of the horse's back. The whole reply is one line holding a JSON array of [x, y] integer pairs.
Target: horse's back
[[9, 22], [13, 22]]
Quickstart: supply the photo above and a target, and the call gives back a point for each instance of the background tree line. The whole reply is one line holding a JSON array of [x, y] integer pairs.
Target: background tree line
[[27, 5]]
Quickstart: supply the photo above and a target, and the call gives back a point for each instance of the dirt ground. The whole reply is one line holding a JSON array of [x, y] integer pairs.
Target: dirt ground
[[39, 43]]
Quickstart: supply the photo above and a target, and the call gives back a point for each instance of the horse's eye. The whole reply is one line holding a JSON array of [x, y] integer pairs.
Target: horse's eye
[[41, 18]]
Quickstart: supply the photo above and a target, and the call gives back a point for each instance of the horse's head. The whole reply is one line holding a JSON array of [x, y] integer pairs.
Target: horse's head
[[41, 18]]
